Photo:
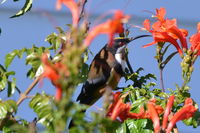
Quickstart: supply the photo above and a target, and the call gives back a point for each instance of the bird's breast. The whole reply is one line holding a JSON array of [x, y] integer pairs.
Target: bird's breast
[[121, 60]]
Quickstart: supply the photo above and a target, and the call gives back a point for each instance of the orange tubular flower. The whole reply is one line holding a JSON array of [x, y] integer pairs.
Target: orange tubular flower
[[109, 27], [154, 116], [51, 73], [167, 112], [186, 112], [72, 5], [118, 109], [195, 41], [160, 14], [165, 30]]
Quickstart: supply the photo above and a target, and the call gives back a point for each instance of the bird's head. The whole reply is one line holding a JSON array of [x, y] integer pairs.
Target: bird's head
[[120, 44]]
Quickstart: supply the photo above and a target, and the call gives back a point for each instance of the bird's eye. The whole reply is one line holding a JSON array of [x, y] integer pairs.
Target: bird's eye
[[121, 43]]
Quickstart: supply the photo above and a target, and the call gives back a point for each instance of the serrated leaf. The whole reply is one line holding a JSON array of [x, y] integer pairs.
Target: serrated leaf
[[27, 7]]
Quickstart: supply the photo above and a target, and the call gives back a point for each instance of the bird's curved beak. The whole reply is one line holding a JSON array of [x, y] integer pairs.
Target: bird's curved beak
[[137, 37]]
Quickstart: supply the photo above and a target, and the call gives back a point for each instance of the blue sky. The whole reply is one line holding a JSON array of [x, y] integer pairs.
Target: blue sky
[[33, 27]]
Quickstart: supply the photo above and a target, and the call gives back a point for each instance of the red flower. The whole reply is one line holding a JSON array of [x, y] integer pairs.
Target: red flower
[[165, 30], [186, 112], [160, 14], [164, 37], [154, 116], [72, 5], [51, 72], [167, 112], [118, 109], [109, 27], [195, 41]]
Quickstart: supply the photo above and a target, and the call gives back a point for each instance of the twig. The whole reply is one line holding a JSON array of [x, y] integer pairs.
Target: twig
[[27, 91], [82, 9], [161, 80]]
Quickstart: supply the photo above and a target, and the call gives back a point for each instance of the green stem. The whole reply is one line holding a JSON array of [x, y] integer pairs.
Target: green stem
[[161, 80]]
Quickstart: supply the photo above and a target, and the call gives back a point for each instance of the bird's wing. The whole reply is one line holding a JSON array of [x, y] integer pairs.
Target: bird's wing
[[90, 92]]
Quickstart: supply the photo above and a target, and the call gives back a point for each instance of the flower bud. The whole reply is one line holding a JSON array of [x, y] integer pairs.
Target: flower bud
[[189, 52], [187, 59], [191, 69]]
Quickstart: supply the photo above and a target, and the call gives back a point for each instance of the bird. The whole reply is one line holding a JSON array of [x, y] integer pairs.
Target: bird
[[106, 70], [109, 61]]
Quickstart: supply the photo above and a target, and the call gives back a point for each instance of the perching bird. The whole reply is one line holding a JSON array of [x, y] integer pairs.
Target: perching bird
[[106, 70], [109, 59]]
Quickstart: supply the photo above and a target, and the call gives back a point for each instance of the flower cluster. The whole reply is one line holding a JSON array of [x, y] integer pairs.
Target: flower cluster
[[166, 30], [119, 109]]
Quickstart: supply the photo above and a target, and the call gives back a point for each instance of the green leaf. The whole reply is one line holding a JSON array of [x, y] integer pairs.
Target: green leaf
[[138, 126], [27, 7], [55, 41], [9, 73], [3, 110], [41, 105], [7, 106], [11, 106], [193, 121], [11, 87], [122, 129], [9, 58], [3, 82]]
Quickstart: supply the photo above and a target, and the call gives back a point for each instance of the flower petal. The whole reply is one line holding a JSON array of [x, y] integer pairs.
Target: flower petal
[[72, 5], [186, 112], [146, 25], [177, 32], [160, 14], [109, 27], [154, 117], [167, 111], [164, 37]]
